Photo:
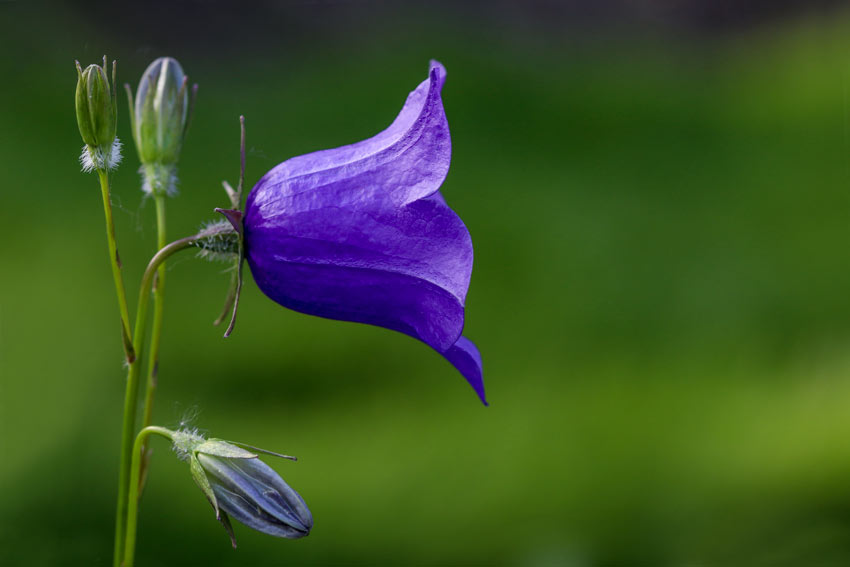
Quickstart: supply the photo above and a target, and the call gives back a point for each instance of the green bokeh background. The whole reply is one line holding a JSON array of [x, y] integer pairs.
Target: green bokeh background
[[660, 294]]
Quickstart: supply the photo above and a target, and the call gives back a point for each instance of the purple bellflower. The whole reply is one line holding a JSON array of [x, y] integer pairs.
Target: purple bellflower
[[361, 233]]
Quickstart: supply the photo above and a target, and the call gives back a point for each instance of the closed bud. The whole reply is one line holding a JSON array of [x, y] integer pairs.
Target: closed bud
[[97, 116], [238, 484], [160, 118]]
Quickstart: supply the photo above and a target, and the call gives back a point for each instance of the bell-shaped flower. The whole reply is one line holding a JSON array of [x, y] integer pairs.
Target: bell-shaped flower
[[361, 233]]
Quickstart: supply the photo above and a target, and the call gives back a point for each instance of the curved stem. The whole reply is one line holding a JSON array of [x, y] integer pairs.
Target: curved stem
[[115, 261], [132, 389], [133, 504], [156, 332]]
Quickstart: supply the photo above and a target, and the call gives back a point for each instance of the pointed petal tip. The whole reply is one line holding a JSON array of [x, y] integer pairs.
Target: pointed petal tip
[[437, 73], [464, 356]]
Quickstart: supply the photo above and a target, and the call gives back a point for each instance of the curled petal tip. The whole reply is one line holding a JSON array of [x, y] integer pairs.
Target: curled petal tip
[[464, 356]]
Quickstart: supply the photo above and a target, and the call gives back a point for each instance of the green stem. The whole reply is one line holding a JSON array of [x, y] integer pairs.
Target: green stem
[[132, 390], [116, 266], [156, 333], [133, 504]]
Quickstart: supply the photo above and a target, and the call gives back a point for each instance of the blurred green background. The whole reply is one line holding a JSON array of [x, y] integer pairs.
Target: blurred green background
[[659, 204]]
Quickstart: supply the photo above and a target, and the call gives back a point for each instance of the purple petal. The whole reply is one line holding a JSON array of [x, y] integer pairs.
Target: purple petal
[[405, 269], [283, 501], [253, 493], [246, 512], [407, 161], [465, 357]]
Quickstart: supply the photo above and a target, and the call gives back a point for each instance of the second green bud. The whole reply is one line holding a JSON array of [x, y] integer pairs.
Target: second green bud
[[160, 117]]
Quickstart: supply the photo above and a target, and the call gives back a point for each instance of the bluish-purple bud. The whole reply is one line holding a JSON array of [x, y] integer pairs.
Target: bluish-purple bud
[[252, 492], [238, 484]]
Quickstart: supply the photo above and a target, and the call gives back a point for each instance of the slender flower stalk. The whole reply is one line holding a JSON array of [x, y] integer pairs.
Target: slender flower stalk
[[115, 261], [132, 388], [156, 332], [129, 552]]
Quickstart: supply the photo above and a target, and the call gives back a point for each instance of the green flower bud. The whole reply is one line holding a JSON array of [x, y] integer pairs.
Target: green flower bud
[[97, 116], [160, 118]]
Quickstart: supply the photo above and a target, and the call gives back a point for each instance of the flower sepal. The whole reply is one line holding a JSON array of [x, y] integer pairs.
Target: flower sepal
[[235, 217], [220, 448]]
